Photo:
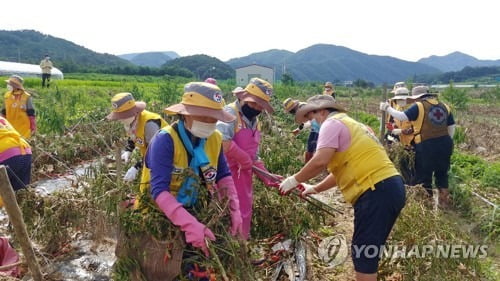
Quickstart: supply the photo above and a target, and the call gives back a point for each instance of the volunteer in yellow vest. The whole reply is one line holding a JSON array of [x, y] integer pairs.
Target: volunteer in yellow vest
[[18, 107], [402, 130], [192, 143], [15, 154], [241, 141], [141, 125], [360, 167], [433, 126]]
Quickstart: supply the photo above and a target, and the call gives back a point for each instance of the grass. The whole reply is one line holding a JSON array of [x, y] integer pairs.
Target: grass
[[72, 129]]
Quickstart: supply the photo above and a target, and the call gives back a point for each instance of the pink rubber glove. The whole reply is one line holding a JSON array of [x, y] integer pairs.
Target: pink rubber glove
[[32, 124], [194, 231], [227, 188], [266, 180], [240, 156]]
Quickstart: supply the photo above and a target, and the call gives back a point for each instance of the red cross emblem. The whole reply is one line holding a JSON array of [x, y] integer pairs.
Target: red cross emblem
[[437, 115]]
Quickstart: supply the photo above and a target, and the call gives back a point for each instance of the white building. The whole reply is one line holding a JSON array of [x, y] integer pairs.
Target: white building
[[245, 73], [26, 70]]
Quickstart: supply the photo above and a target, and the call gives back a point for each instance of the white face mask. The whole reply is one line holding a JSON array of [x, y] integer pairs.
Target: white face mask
[[401, 102], [127, 122], [9, 87], [201, 129]]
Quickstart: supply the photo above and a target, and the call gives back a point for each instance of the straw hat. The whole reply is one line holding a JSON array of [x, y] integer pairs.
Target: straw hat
[[16, 82], [258, 91], [201, 99], [125, 106], [315, 103]]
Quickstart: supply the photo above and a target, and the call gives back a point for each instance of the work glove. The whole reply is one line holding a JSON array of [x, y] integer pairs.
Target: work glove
[[389, 126], [307, 189], [126, 155], [288, 184], [267, 180], [194, 231], [384, 105], [396, 132], [238, 155], [32, 124], [131, 174], [226, 188]]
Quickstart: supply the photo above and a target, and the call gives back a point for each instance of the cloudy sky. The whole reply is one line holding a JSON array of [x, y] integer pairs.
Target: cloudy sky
[[226, 29]]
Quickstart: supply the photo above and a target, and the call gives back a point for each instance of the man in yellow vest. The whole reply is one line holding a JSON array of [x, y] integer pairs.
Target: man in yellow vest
[[141, 125], [15, 154], [18, 107], [360, 167], [433, 126], [241, 141], [192, 144]]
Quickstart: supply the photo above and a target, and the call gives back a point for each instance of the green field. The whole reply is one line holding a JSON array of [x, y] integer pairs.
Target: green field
[[72, 130]]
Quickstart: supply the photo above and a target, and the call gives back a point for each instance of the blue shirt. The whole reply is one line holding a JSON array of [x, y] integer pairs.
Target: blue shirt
[[412, 114], [159, 159]]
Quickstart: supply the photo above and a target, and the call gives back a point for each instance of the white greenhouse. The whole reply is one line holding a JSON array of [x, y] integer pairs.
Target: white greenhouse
[[26, 70]]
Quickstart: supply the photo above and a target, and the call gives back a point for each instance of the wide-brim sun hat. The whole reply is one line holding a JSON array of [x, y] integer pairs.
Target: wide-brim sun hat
[[125, 106], [201, 99], [315, 103], [238, 90], [16, 82], [398, 85], [259, 91], [401, 93], [421, 91], [289, 104]]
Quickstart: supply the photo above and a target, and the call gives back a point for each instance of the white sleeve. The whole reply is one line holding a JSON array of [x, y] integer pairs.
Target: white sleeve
[[451, 130], [400, 115]]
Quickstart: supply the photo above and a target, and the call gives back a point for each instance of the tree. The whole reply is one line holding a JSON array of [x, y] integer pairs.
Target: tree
[[287, 79]]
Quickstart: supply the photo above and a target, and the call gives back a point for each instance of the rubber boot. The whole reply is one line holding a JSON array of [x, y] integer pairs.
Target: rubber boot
[[444, 198]]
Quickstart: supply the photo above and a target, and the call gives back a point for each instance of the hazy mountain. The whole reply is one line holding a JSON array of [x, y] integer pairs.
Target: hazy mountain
[[324, 62], [272, 58], [203, 66], [29, 46], [152, 59], [456, 61]]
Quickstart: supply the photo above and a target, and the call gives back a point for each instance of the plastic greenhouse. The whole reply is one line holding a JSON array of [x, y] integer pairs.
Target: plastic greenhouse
[[26, 70]]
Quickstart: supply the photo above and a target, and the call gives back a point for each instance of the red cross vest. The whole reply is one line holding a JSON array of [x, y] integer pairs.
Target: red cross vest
[[432, 120]]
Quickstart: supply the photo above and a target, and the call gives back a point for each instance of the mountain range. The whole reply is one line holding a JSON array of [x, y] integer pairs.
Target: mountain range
[[319, 62], [152, 59], [456, 61]]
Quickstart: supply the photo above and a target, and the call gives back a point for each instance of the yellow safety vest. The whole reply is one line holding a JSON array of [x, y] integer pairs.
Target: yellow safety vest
[[10, 138], [404, 125], [15, 109], [239, 123], [140, 141], [431, 121], [144, 117], [363, 164], [213, 147]]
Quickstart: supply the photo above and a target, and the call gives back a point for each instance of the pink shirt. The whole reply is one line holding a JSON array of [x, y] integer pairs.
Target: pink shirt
[[334, 134]]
